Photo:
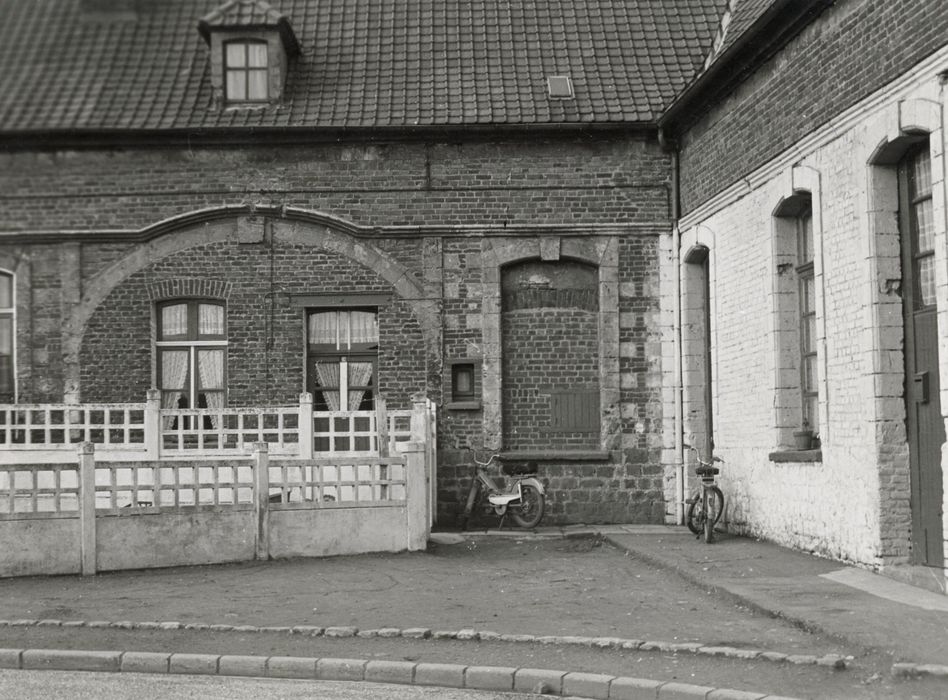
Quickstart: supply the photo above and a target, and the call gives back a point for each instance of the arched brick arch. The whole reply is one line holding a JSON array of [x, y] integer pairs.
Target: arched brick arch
[[296, 227]]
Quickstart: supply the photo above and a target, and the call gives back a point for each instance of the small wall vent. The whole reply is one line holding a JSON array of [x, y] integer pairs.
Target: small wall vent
[[559, 86]]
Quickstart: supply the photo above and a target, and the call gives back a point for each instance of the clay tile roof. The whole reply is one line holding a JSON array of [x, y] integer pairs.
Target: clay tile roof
[[361, 63], [247, 14]]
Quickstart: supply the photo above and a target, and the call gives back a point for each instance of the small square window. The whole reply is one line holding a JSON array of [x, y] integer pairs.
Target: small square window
[[559, 86], [465, 381]]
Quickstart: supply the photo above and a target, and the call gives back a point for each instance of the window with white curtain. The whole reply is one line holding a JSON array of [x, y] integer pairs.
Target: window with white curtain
[[192, 354], [246, 71], [7, 338], [343, 349]]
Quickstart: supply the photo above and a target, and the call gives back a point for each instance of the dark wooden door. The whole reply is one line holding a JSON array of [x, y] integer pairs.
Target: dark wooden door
[[924, 422]]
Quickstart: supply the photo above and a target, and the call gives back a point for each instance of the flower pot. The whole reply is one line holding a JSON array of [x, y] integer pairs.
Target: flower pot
[[803, 439]]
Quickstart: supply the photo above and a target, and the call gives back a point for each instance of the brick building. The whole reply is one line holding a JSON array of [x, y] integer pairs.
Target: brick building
[[236, 202], [812, 265]]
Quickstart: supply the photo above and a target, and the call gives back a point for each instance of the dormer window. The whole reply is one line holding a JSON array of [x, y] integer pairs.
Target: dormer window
[[246, 67], [251, 44]]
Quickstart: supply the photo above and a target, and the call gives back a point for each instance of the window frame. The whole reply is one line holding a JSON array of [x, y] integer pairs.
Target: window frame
[[345, 356], [245, 70], [9, 312], [807, 308], [192, 342]]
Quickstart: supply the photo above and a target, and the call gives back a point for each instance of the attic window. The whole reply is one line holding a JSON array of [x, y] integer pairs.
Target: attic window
[[559, 86], [246, 71]]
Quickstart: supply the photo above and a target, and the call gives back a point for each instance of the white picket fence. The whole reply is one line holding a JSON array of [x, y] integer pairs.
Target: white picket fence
[[43, 433]]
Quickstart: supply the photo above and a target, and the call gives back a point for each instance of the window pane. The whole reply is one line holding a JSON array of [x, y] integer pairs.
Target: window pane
[[6, 359], [211, 369], [326, 375], [805, 232], [210, 319], [364, 326], [811, 409], [323, 328], [174, 369], [926, 226], [809, 373], [174, 321], [257, 85], [808, 302], [922, 173], [236, 55], [236, 85], [257, 55], [6, 335], [6, 291], [925, 278], [809, 334]]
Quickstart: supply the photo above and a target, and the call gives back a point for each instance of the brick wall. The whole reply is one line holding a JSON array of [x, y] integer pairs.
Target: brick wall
[[620, 182], [855, 47]]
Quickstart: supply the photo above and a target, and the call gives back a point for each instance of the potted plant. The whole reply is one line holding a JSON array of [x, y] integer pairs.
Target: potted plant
[[803, 438]]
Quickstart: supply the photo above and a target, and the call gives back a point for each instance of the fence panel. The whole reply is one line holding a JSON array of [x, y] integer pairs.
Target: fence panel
[[205, 431], [63, 426], [131, 488], [338, 483], [39, 491]]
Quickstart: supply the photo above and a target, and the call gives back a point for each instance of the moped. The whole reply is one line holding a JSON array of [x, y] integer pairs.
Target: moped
[[523, 498]]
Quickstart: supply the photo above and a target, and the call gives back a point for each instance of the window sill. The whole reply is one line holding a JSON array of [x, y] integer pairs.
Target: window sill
[[463, 405], [796, 456], [555, 456]]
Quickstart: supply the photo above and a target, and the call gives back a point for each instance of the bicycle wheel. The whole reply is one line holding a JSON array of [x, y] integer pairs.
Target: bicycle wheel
[[713, 511], [472, 495], [530, 509], [695, 517]]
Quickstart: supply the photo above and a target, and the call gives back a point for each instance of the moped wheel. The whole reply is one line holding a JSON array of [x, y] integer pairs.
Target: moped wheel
[[465, 515], [530, 509], [715, 505]]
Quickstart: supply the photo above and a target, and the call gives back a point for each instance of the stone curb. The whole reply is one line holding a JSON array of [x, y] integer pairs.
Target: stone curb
[[497, 678], [832, 660]]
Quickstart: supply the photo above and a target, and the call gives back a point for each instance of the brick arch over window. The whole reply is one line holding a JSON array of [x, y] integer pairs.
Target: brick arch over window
[[227, 225], [189, 287]]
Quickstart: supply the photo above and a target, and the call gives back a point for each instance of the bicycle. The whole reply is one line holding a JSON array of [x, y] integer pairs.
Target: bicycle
[[523, 497], [705, 508]]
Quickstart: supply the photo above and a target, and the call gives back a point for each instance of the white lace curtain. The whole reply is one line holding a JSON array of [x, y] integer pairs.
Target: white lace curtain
[[359, 375], [211, 375], [174, 377], [328, 374], [342, 329], [174, 320]]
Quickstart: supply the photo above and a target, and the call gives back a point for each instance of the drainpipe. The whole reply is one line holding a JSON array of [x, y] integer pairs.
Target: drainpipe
[[678, 388]]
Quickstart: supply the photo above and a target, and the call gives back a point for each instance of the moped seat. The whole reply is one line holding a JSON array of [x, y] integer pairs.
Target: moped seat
[[502, 499], [707, 471]]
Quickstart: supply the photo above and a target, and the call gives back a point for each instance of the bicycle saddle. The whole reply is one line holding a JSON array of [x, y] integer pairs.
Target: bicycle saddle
[[707, 471]]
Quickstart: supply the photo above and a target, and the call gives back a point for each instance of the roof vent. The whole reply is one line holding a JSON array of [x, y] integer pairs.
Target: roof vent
[[559, 86]]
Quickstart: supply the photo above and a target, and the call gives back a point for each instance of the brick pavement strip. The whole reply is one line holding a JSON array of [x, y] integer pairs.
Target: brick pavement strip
[[201, 664], [587, 685], [291, 667], [340, 669], [725, 694], [145, 662], [444, 675], [384, 671], [633, 689], [10, 658], [240, 665], [71, 660], [489, 677], [539, 681], [683, 691]]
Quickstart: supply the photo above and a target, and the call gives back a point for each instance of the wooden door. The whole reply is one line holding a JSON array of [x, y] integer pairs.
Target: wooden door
[[924, 422]]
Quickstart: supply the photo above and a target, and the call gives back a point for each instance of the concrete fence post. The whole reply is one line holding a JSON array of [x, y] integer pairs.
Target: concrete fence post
[[416, 493], [87, 542], [422, 431], [261, 499], [153, 423], [381, 426], [306, 425]]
